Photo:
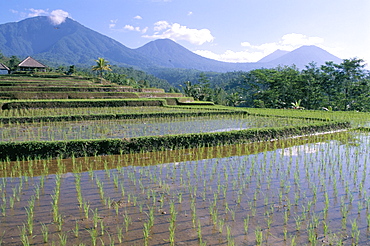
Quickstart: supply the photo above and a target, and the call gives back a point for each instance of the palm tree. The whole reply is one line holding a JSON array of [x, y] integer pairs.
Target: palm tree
[[101, 65]]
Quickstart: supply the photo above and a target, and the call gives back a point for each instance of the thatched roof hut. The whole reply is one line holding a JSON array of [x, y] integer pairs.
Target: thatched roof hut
[[3, 67], [30, 64]]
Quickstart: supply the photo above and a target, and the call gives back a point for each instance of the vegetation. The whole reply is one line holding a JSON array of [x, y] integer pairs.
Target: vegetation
[[101, 66], [341, 87]]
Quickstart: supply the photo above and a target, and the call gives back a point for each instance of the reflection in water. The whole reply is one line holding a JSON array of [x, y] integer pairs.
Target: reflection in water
[[101, 129], [304, 190]]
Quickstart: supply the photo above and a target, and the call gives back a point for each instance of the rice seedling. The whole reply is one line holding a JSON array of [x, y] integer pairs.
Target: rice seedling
[[23, 235], [30, 216], [172, 227], [199, 233], [86, 208], [95, 217], [355, 232], [94, 235], [246, 224], [76, 229], [259, 235], [146, 232], [63, 239], [127, 220], [229, 237]]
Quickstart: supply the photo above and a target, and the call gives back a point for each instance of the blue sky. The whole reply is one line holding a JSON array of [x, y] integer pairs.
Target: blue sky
[[227, 30]]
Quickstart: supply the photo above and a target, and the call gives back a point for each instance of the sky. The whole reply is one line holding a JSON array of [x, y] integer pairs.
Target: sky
[[225, 30]]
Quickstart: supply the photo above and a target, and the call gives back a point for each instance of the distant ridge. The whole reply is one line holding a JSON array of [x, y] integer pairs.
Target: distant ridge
[[73, 43], [274, 55], [304, 55]]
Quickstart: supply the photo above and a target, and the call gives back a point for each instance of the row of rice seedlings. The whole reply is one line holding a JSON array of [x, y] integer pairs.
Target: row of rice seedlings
[[99, 129], [33, 112], [280, 188], [356, 118]]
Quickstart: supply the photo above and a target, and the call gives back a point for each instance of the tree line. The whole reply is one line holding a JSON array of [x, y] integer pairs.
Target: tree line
[[344, 86]]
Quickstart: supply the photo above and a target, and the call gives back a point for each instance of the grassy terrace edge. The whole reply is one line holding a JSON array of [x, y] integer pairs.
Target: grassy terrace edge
[[79, 148], [76, 103]]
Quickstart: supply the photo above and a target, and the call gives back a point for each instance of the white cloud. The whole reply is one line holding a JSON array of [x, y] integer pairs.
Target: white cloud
[[137, 29], [231, 56], [294, 39], [113, 23], [190, 13], [58, 16], [253, 53], [138, 17], [144, 30], [161, 25], [129, 27], [37, 12], [177, 32]]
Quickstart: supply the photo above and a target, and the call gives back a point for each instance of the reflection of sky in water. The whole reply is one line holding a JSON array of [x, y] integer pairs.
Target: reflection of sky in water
[[303, 149], [138, 128]]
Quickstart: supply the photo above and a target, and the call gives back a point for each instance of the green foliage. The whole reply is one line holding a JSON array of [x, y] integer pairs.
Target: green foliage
[[135, 78], [202, 91], [342, 86], [101, 66]]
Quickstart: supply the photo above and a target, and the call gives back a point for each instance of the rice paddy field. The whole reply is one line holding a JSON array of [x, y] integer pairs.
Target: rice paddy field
[[308, 190], [100, 129], [33, 112]]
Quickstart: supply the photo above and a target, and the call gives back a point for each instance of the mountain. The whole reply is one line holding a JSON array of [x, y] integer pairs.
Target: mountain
[[68, 43], [274, 55], [169, 54], [303, 55], [72, 43]]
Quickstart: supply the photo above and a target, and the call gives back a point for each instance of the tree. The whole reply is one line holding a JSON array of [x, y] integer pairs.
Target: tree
[[101, 66], [275, 87], [201, 91], [13, 63], [71, 70], [346, 84]]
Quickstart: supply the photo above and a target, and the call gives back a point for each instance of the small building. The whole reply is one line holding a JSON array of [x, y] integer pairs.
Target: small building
[[30, 64], [4, 68]]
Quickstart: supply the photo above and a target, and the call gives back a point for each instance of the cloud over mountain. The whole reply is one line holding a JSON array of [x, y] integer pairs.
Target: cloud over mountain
[[58, 16], [177, 32], [253, 53]]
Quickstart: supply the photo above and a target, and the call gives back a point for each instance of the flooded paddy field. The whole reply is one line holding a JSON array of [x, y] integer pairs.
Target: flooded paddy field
[[311, 190], [100, 129]]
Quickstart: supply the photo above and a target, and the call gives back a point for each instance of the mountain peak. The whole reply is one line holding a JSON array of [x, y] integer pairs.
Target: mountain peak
[[300, 57], [72, 43], [274, 55]]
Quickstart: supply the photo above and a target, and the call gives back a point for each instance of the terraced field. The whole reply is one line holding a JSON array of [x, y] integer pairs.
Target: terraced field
[[180, 174]]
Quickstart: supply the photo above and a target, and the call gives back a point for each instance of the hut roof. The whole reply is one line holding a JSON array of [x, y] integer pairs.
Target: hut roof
[[3, 67], [32, 63]]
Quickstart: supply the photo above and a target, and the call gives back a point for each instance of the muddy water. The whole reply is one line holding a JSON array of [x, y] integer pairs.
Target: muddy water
[[286, 191]]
